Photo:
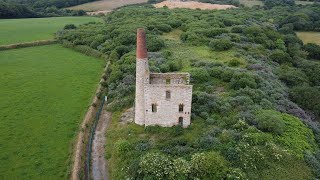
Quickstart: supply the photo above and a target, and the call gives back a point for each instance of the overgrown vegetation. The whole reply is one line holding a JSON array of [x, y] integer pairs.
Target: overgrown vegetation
[[255, 96]]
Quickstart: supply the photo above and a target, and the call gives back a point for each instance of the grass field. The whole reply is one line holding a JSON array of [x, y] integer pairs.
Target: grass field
[[106, 5], [304, 2], [25, 30], [309, 37], [250, 3], [44, 93]]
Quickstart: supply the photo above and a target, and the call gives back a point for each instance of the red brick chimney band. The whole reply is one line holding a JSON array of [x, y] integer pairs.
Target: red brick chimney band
[[142, 52]]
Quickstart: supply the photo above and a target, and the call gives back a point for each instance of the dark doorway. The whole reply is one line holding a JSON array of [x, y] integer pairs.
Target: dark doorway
[[181, 121]]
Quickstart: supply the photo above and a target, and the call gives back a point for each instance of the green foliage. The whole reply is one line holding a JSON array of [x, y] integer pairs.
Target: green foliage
[[154, 44], [39, 8], [220, 44], [199, 75], [313, 50], [280, 57], [270, 121], [12, 10], [308, 97], [243, 80], [155, 166], [209, 165], [292, 76], [296, 138], [122, 146]]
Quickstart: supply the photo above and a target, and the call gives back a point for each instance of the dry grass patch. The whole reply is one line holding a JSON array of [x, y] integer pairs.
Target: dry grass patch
[[251, 3], [309, 37]]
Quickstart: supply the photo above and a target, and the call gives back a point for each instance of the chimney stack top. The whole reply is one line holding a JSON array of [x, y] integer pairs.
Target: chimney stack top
[[142, 52]]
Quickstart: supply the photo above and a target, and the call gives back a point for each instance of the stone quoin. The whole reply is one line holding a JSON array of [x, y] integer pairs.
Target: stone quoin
[[162, 99]]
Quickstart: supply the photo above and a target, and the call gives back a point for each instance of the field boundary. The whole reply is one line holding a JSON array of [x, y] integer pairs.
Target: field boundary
[[79, 152], [27, 44]]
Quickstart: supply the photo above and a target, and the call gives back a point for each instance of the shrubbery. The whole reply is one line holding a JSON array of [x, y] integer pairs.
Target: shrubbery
[[220, 44], [313, 50]]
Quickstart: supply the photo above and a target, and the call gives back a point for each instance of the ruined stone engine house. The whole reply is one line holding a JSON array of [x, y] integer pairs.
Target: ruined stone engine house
[[161, 98]]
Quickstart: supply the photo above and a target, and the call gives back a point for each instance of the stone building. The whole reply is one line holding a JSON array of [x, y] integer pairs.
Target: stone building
[[161, 98]]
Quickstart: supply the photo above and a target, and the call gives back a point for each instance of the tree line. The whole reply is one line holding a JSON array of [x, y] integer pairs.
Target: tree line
[[39, 8]]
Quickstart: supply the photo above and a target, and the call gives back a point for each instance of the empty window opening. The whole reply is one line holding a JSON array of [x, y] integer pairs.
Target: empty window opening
[[180, 107], [167, 81], [154, 107], [181, 121], [168, 94]]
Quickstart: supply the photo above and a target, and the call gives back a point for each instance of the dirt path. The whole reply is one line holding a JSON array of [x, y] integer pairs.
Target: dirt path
[[99, 165]]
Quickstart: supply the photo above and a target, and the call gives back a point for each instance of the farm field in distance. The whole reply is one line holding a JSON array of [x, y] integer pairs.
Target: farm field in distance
[[44, 93], [250, 3], [106, 5], [32, 29], [309, 37]]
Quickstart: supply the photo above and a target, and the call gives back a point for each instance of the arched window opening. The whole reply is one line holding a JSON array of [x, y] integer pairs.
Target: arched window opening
[[167, 81], [180, 107]]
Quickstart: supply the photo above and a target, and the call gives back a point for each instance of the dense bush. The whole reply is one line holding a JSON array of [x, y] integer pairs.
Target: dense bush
[[280, 57], [220, 44], [155, 166], [69, 26], [209, 165], [268, 121], [313, 50], [308, 97]]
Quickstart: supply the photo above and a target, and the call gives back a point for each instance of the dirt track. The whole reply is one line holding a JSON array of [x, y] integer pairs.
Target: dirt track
[[99, 164]]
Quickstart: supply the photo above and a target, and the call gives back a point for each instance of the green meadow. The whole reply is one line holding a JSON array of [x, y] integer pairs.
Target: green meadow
[[32, 29], [44, 94]]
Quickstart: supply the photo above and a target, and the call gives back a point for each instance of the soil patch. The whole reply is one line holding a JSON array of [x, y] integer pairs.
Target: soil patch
[[191, 5]]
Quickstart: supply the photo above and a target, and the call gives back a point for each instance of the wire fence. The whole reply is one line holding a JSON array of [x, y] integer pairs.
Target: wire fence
[[89, 145]]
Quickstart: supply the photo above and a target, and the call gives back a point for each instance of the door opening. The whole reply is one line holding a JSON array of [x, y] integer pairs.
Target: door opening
[[181, 121]]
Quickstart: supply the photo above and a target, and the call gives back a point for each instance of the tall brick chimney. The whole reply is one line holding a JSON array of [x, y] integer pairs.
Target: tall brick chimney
[[142, 76], [141, 44]]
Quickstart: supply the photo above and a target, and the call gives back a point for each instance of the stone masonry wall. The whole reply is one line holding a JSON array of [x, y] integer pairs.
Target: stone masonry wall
[[168, 114]]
